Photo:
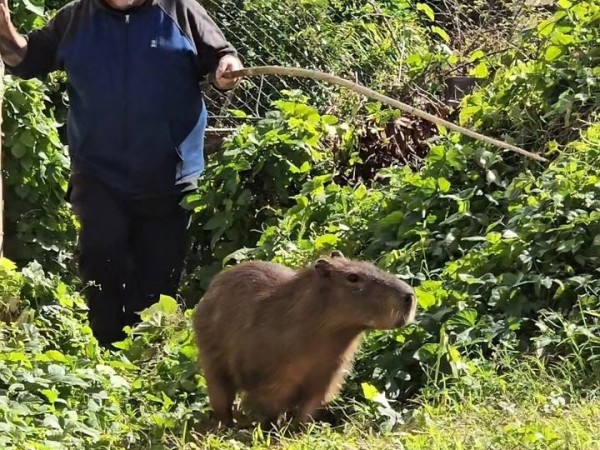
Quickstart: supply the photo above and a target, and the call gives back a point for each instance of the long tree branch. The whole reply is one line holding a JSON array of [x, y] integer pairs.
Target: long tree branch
[[321, 76]]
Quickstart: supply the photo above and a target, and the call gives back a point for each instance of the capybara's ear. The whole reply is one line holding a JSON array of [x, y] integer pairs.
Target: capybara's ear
[[336, 254], [323, 267]]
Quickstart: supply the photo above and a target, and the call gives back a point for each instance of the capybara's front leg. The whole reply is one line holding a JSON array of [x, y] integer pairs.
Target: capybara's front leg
[[310, 408], [269, 423], [221, 393]]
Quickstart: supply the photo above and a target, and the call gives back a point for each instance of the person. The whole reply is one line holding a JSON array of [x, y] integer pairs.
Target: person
[[135, 132]]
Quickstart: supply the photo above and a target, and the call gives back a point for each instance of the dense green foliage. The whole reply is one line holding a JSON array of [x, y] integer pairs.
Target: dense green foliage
[[496, 245], [59, 390], [38, 223], [504, 252], [544, 97]]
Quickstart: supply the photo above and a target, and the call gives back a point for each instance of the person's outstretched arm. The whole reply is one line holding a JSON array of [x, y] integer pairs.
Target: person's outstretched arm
[[214, 54], [35, 54], [13, 45]]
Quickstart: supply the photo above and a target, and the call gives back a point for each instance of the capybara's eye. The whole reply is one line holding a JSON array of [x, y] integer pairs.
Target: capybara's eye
[[353, 278]]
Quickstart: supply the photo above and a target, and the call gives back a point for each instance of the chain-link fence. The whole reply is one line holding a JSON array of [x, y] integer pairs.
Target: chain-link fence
[[387, 45], [315, 35]]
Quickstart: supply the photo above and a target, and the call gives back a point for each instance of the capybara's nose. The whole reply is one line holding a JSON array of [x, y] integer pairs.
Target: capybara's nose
[[408, 299], [409, 302]]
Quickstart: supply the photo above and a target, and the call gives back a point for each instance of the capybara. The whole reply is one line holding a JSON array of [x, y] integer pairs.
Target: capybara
[[285, 338]]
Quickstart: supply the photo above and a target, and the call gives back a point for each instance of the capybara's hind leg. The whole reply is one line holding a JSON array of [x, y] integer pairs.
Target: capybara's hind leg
[[221, 393]]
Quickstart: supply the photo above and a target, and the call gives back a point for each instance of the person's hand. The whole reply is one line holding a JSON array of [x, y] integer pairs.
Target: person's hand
[[5, 22], [228, 63], [13, 46]]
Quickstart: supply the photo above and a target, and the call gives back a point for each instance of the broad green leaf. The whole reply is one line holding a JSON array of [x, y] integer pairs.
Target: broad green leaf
[[369, 391], [477, 54], [394, 218], [238, 113], [118, 382], [414, 60], [426, 352], [7, 264], [492, 177], [38, 10], [326, 240], [168, 305], [51, 422], [55, 355], [480, 70], [216, 222], [244, 197], [426, 9], [441, 33], [444, 185], [18, 150], [304, 168], [452, 59], [16, 357], [553, 52], [330, 120], [361, 192], [545, 27], [509, 234], [56, 372], [189, 351], [562, 39], [302, 201], [466, 318], [50, 394], [466, 113], [425, 299]]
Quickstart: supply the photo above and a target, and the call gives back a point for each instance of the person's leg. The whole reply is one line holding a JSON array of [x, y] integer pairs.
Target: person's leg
[[104, 258], [159, 242]]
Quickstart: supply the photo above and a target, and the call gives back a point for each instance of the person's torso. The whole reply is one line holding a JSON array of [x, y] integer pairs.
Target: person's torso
[[135, 95]]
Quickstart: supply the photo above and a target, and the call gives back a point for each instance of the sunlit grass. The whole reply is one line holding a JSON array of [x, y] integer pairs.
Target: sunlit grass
[[526, 407]]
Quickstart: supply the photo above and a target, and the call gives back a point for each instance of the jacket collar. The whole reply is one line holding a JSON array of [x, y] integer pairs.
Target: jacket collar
[[103, 4]]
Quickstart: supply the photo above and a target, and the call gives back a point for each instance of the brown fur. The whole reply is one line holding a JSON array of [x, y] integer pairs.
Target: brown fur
[[285, 338]]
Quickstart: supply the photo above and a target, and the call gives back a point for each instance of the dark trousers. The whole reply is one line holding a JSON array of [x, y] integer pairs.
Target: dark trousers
[[130, 251]]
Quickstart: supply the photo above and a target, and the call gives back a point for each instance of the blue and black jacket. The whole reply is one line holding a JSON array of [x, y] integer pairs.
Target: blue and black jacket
[[136, 116]]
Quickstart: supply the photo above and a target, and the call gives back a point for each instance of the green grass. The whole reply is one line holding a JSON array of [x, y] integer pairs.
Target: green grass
[[507, 425], [498, 425], [527, 407]]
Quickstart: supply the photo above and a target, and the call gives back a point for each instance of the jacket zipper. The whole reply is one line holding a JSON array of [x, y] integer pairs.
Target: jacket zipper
[[125, 97]]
